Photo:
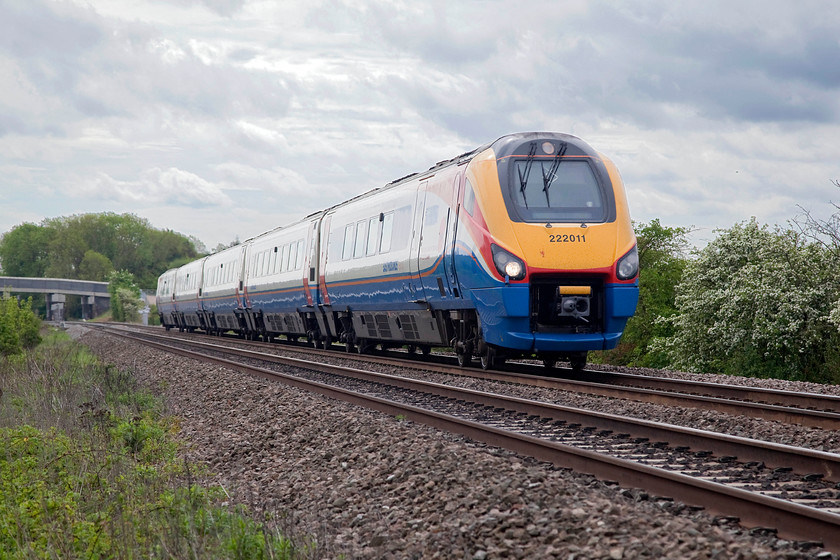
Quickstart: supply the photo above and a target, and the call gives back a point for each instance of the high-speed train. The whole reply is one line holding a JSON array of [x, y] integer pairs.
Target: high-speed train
[[521, 247]]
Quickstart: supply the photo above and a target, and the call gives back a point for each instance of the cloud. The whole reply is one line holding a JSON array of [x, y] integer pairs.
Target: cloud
[[164, 187], [229, 115]]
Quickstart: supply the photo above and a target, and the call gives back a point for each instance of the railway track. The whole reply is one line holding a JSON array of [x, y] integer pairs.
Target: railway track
[[790, 490], [806, 409]]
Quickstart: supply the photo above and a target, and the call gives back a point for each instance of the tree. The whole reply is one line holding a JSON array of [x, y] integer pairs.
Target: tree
[[222, 246], [24, 251], [823, 232], [158, 251], [125, 296], [90, 246], [757, 302], [66, 251], [95, 266], [19, 327], [826, 233]]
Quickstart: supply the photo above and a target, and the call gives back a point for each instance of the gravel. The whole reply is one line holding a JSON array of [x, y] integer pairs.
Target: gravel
[[360, 484]]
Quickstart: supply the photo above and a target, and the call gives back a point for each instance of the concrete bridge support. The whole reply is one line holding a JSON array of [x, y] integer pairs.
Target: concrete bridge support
[[55, 307]]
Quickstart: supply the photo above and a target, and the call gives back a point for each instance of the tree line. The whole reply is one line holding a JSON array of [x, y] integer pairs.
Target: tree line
[[755, 301], [91, 247], [122, 249]]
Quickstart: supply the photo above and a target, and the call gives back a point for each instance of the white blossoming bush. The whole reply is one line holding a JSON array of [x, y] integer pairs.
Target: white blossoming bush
[[834, 316], [758, 302]]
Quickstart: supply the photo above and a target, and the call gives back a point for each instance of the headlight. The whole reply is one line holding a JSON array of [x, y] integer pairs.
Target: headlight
[[628, 265], [508, 265]]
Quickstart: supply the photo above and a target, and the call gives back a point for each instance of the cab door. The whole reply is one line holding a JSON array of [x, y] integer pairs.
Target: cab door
[[451, 237], [433, 262]]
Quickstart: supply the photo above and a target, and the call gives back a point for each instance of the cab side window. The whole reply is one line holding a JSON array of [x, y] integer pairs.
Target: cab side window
[[469, 198]]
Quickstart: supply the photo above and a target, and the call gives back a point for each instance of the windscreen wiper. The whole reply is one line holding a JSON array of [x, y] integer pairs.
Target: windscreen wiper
[[548, 178], [523, 177]]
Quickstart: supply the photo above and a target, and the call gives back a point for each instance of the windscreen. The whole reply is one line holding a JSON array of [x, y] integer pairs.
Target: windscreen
[[556, 190]]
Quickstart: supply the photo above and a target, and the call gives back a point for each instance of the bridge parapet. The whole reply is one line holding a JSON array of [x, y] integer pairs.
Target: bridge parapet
[[94, 294]]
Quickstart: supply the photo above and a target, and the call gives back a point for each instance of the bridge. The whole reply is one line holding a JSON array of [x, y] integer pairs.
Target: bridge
[[95, 296]]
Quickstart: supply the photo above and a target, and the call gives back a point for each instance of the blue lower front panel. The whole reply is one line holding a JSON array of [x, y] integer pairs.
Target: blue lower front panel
[[505, 320]]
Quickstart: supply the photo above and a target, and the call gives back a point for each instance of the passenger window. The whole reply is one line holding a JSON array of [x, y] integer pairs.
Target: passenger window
[[469, 198], [387, 231], [372, 235], [292, 256], [359, 249], [347, 251], [299, 262], [284, 267]]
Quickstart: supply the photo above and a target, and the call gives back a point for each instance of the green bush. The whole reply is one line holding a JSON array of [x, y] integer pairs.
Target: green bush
[[125, 297], [19, 326], [758, 302]]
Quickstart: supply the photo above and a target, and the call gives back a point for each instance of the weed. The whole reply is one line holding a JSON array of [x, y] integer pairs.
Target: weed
[[89, 467]]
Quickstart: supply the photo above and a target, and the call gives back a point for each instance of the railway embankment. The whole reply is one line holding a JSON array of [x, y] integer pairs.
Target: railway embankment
[[367, 485]]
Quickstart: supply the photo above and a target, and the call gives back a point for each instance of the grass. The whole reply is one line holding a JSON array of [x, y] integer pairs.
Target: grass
[[90, 468]]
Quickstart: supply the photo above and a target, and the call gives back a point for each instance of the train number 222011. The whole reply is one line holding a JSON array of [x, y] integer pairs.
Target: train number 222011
[[566, 238]]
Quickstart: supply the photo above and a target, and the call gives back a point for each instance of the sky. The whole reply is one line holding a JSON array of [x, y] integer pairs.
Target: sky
[[222, 119]]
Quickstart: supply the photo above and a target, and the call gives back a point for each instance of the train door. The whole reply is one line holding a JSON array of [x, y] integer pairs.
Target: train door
[[323, 248], [451, 231], [311, 264], [434, 218], [242, 300], [415, 287]]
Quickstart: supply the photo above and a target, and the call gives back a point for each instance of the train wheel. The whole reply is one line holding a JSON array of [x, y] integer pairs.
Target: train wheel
[[549, 362], [425, 351], [578, 361], [464, 359], [488, 357]]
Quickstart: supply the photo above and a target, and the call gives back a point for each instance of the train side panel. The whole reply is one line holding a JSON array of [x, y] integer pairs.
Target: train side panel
[[277, 292], [222, 294], [386, 272]]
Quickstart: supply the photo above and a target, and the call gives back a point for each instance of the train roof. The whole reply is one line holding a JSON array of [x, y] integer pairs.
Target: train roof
[[503, 145], [504, 142]]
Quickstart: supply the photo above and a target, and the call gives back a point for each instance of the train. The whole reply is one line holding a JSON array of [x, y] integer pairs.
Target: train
[[522, 247]]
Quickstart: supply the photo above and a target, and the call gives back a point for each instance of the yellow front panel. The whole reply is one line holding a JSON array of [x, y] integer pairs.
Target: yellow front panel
[[562, 246]]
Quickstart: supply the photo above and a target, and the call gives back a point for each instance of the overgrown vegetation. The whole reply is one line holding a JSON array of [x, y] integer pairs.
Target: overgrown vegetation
[[755, 301], [89, 468], [19, 326], [125, 297], [758, 302]]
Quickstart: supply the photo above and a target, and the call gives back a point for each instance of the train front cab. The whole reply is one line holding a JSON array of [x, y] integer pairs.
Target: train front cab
[[551, 227]]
